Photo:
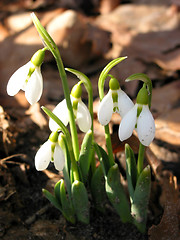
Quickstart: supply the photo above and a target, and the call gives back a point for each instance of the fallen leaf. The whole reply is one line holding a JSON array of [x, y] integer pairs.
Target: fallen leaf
[[7, 141], [168, 228], [36, 115], [166, 97], [170, 60], [168, 128], [107, 6], [154, 162]]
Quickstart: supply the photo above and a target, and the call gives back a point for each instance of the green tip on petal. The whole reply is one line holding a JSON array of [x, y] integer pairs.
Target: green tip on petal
[[113, 83], [54, 137], [142, 97], [76, 91], [38, 58]]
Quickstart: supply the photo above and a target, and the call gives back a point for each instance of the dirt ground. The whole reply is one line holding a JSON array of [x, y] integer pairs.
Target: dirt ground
[[95, 33]]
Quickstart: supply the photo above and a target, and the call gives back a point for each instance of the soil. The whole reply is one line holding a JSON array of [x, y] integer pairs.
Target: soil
[[26, 214]]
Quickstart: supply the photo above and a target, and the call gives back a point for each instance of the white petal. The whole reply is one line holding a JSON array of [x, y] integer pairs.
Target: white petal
[[83, 117], [34, 87], [61, 112], [145, 126], [124, 103], [59, 159], [105, 110], [43, 156], [128, 124], [17, 80]]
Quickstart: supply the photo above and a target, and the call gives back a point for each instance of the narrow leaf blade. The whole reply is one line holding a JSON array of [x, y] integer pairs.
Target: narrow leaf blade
[[86, 155], [117, 195], [141, 199], [80, 201], [68, 210], [98, 189], [52, 199]]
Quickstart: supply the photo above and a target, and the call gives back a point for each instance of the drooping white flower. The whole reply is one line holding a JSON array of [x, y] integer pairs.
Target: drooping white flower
[[28, 78], [116, 100], [81, 113], [140, 119], [50, 151]]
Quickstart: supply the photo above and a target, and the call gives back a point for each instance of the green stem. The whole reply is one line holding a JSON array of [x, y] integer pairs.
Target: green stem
[[54, 50], [101, 82], [65, 143], [69, 106], [140, 161], [87, 83], [109, 145]]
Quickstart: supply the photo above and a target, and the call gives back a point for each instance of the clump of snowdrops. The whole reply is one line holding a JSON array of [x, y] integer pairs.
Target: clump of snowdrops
[[81, 173]]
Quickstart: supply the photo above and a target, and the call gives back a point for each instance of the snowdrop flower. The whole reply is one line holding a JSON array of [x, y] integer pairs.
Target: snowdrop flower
[[140, 118], [81, 112], [28, 78], [116, 100], [50, 151]]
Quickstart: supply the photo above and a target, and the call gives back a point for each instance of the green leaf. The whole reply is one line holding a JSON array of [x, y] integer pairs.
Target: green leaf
[[129, 180], [57, 191], [44, 34], [103, 158], [67, 207], [98, 189], [70, 169], [52, 199], [117, 195], [141, 199], [67, 166], [131, 170], [80, 201], [86, 155], [62, 127]]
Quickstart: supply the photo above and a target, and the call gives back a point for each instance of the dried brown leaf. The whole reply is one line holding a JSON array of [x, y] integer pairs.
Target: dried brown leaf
[[165, 97], [168, 228], [7, 141], [36, 115], [170, 60], [154, 162]]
